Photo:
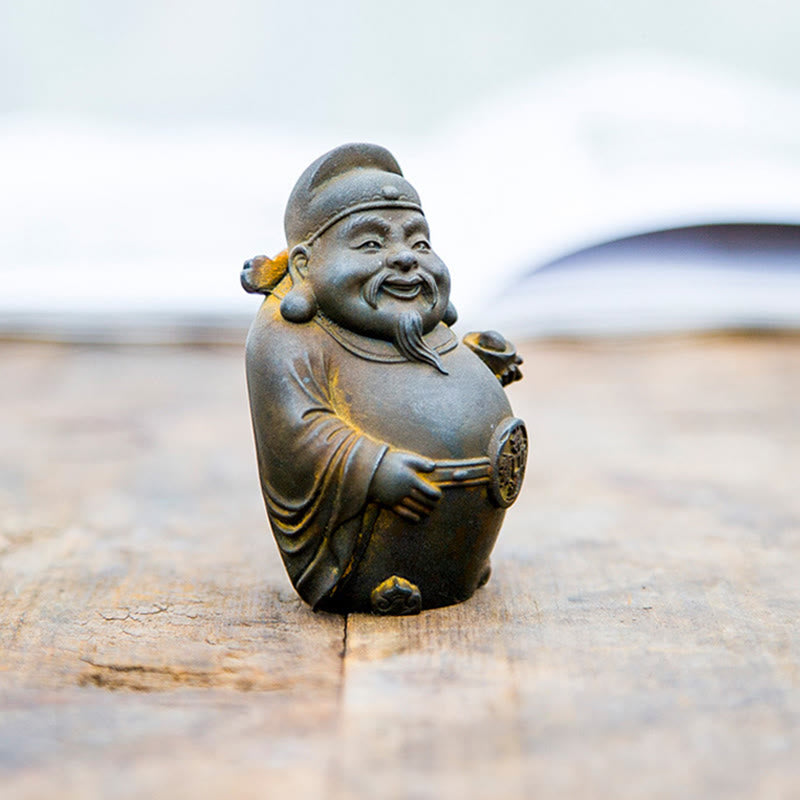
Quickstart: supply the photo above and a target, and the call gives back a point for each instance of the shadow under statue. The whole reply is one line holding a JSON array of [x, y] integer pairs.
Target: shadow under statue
[[387, 449]]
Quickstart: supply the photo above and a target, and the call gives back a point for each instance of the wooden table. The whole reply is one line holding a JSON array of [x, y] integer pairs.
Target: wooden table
[[639, 636]]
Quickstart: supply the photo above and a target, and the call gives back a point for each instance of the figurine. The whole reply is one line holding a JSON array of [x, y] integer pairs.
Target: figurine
[[387, 450]]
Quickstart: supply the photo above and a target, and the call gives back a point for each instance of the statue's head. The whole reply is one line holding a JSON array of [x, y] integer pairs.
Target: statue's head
[[359, 247]]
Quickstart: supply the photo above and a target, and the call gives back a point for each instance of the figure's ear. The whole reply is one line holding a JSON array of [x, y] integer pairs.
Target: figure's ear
[[298, 263], [299, 305]]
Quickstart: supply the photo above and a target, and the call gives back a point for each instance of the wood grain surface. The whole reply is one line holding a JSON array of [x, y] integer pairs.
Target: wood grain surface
[[638, 638]]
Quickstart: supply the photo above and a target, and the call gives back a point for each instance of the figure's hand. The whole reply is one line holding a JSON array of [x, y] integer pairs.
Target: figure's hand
[[399, 484], [511, 373]]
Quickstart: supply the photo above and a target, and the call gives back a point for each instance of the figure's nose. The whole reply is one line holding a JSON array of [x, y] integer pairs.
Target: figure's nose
[[403, 260]]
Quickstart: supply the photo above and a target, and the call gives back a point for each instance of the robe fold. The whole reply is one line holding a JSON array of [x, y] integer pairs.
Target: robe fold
[[315, 468]]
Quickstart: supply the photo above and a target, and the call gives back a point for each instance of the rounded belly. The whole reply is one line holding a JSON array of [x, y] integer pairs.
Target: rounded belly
[[413, 407]]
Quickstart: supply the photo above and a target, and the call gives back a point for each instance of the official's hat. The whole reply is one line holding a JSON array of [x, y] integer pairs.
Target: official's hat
[[353, 177]]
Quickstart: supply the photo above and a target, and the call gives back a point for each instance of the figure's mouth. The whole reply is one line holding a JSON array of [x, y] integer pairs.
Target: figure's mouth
[[403, 288]]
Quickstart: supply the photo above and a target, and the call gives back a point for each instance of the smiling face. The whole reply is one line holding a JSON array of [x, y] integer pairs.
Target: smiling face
[[375, 266]]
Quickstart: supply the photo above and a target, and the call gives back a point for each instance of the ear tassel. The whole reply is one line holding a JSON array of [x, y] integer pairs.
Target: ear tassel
[[299, 305], [450, 315]]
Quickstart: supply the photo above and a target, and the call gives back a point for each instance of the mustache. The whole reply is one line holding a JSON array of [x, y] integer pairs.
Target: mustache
[[373, 286], [408, 340]]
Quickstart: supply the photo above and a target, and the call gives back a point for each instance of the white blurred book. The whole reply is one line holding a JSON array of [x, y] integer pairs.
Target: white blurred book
[[621, 196]]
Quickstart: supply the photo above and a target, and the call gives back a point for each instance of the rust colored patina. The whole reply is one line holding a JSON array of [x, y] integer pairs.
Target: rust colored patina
[[387, 450]]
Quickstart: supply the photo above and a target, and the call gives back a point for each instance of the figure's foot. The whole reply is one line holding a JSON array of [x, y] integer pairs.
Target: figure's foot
[[485, 575], [396, 597]]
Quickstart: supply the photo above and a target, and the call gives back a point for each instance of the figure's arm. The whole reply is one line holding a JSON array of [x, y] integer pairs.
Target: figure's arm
[[303, 442], [398, 481], [398, 478]]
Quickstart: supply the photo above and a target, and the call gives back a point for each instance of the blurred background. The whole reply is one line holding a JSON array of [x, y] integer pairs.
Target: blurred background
[[586, 168]]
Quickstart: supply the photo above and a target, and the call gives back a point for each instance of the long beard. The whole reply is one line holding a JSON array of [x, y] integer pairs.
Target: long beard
[[408, 340]]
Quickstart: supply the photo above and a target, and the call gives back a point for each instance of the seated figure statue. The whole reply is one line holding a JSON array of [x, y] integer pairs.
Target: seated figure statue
[[387, 449]]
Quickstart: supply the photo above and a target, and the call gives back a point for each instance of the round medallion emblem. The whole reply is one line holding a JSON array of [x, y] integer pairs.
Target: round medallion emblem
[[508, 452]]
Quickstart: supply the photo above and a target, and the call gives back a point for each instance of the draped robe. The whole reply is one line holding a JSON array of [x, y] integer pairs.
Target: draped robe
[[326, 404]]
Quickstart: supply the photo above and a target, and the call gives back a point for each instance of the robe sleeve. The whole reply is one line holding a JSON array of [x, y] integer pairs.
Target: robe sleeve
[[315, 467]]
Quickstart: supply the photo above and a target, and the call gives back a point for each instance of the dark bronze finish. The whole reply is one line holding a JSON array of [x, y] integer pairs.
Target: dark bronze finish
[[387, 450]]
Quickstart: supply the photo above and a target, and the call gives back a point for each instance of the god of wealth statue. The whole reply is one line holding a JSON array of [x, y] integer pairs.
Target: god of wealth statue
[[387, 450]]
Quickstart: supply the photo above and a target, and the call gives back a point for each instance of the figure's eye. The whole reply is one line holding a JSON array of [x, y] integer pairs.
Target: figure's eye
[[423, 244], [369, 244]]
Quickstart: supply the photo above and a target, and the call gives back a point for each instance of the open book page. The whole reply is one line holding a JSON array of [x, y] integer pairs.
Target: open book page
[[613, 150], [101, 224]]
